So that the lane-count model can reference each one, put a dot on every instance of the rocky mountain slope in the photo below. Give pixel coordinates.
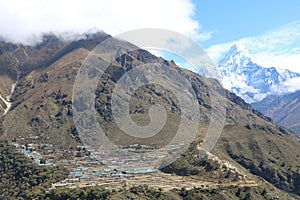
(283, 109)
(42, 106)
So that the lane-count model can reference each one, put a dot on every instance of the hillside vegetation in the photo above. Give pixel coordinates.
(20, 178)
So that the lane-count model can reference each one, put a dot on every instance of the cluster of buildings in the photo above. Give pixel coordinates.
(30, 151)
(88, 167)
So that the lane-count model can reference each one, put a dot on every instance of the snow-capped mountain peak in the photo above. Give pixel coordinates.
(241, 75)
(237, 50)
(236, 58)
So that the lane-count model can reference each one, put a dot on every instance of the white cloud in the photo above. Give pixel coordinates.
(278, 47)
(291, 85)
(19, 20)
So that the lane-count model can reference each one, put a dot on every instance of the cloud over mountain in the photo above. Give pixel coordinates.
(19, 20)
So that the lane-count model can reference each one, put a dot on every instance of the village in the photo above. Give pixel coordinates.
(87, 169)
(127, 168)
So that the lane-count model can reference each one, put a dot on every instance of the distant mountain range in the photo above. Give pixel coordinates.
(243, 76)
(283, 109)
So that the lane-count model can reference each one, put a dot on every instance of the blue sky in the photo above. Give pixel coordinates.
(235, 19)
(270, 30)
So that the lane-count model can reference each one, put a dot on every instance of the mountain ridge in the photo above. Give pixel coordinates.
(283, 109)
